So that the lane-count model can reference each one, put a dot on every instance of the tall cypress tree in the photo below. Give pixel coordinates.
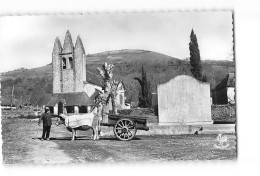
(144, 81)
(195, 62)
(149, 95)
(145, 97)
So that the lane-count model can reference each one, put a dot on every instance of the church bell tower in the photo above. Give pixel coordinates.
(69, 66)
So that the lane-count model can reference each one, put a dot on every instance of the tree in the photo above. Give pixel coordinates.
(145, 96)
(110, 87)
(195, 62)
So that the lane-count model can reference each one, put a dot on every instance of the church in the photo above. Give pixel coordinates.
(75, 86)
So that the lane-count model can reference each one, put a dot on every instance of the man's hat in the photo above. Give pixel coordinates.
(47, 108)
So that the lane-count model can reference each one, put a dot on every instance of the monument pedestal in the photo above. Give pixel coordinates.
(187, 123)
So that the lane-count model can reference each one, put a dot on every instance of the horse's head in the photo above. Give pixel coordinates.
(60, 119)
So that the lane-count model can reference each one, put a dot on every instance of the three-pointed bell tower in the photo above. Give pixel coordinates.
(69, 66)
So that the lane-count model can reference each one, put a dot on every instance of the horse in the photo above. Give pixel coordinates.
(88, 121)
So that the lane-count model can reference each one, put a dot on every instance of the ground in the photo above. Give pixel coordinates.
(21, 145)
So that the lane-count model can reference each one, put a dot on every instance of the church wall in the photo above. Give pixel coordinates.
(56, 66)
(67, 81)
(120, 98)
(80, 68)
(231, 94)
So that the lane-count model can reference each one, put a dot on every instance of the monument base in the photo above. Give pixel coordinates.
(187, 123)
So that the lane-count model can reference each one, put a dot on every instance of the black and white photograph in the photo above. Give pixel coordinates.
(118, 87)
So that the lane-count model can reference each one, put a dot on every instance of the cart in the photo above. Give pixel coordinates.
(125, 126)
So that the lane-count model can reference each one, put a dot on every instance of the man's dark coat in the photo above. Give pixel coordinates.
(46, 119)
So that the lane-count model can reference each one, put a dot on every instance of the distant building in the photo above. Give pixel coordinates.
(127, 105)
(224, 92)
(75, 86)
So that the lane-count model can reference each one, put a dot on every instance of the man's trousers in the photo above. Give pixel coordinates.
(46, 131)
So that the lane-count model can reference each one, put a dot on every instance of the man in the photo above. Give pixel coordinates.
(47, 122)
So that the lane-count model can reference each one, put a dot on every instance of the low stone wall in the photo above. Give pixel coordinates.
(225, 113)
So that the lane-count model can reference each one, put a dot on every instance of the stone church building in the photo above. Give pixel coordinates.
(75, 86)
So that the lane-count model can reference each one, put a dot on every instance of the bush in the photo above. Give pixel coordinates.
(20, 114)
(223, 113)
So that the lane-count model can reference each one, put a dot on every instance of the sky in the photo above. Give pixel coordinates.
(27, 41)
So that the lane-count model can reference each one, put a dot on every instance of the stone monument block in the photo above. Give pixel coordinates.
(184, 100)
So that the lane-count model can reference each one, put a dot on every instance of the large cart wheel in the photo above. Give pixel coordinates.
(125, 129)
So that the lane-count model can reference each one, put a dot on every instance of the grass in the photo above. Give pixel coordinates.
(20, 148)
(15, 147)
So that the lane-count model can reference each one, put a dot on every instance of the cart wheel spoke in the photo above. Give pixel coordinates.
(125, 129)
(130, 132)
(130, 126)
(120, 125)
(127, 135)
(125, 122)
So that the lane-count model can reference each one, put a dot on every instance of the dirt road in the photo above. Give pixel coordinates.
(20, 147)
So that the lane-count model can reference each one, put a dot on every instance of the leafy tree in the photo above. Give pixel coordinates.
(145, 96)
(196, 68)
(110, 86)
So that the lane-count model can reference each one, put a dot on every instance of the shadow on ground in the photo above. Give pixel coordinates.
(84, 138)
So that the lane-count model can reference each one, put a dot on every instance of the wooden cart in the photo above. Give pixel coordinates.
(125, 126)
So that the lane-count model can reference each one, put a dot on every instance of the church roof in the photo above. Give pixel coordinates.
(68, 44)
(79, 45)
(43, 100)
(95, 94)
(228, 81)
(70, 99)
(93, 77)
(57, 45)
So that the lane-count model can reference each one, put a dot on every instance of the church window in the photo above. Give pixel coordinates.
(64, 65)
(70, 62)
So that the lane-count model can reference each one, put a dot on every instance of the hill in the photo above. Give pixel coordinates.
(30, 84)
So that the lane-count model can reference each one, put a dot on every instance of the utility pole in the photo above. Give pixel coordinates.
(12, 99)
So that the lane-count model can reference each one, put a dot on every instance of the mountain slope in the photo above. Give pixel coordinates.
(30, 84)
